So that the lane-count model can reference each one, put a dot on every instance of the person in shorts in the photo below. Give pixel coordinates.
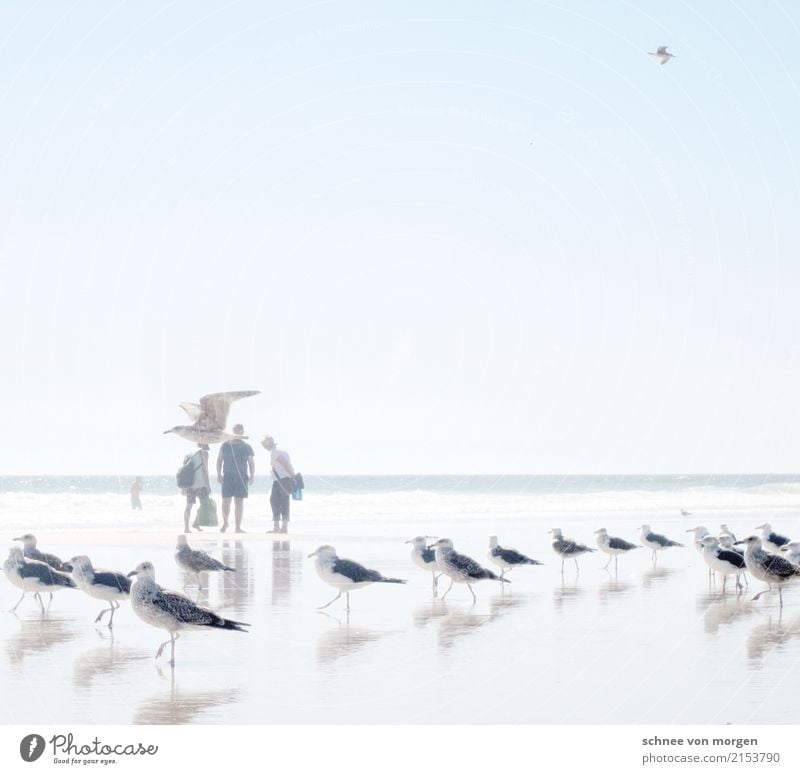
(201, 487)
(283, 484)
(236, 470)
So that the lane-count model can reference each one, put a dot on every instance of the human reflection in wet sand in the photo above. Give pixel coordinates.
(107, 659)
(285, 569)
(38, 634)
(772, 635)
(343, 640)
(180, 707)
(236, 587)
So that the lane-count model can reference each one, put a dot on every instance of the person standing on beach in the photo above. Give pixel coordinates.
(236, 470)
(201, 486)
(136, 491)
(283, 484)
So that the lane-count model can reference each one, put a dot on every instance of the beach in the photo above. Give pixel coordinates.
(648, 645)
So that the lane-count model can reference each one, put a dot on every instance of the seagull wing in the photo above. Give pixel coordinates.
(216, 405)
(200, 561)
(468, 567)
(192, 409)
(183, 609)
(661, 50)
(355, 572)
(512, 556)
(663, 59)
(113, 580)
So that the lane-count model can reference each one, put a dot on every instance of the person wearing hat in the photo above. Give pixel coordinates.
(200, 488)
(283, 484)
(236, 470)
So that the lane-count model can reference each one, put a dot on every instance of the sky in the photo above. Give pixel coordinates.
(438, 237)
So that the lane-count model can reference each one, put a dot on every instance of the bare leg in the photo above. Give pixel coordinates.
(226, 513)
(448, 589)
(187, 512)
(331, 602)
(238, 506)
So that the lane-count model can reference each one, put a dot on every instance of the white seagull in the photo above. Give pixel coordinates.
(195, 561)
(507, 558)
(613, 546)
(35, 576)
(656, 542)
(722, 560)
(663, 55)
(344, 574)
(106, 585)
(171, 611)
(772, 569)
(772, 541)
(792, 551)
(461, 568)
(210, 417)
(425, 558)
(568, 549)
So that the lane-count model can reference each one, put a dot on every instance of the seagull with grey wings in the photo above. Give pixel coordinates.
(663, 55)
(193, 560)
(461, 568)
(210, 417)
(568, 549)
(656, 542)
(773, 570)
(507, 558)
(105, 585)
(35, 576)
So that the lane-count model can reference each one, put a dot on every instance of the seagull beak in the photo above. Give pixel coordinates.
(310, 555)
(131, 574)
(739, 543)
(67, 567)
(167, 431)
(19, 538)
(408, 542)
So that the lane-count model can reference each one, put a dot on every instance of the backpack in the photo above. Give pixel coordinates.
(185, 475)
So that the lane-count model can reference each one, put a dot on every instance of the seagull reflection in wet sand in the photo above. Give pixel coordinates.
(105, 661)
(344, 640)
(772, 635)
(723, 610)
(458, 623)
(37, 635)
(182, 707)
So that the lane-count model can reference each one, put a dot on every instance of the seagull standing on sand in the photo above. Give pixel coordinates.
(210, 417)
(195, 561)
(425, 558)
(699, 533)
(344, 574)
(568, 549)
(656, 542)
(773, 570)
(613, 546)
(724, 529)
(30, 551)
(792, 551)
(722, 560)
(507, 558)
(772, 541)
(107, 585)
(663, 55)
(461, 568)
(171, 611)
(31, 575)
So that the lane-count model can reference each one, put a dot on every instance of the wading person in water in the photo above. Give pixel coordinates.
(236, 470)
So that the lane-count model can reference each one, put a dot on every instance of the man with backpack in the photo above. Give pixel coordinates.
(194, 483)
(236, 470)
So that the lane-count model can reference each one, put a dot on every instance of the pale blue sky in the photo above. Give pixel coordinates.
(439, 237)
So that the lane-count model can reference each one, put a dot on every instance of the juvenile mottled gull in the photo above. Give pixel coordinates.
(507, 558)
(32, 575)
(170, 610)
(722, 560)
(195, 561)
(461, 568)
(425, 558)
(344, 574)
(613, 546)
(773, 570)
(210, 417)
(107, 585)
(656, 542)
(772, 541)
(568, 549)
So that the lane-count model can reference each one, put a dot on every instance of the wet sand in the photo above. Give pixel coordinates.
(647, 645)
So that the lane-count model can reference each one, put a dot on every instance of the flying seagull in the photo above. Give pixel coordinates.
(210, 417)
(663, 55)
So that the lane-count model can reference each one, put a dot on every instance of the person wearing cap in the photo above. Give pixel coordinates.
(283, 484)
(200, 487)
(236, 470)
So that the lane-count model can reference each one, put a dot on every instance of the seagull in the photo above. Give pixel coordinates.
(196, 561)
(726, 541)
(424, 558)
(726, 530)
(344, 574)
(32, 575)
(613, 546)
(767, 567)
(722, 560)
(699, 533)
(791, 551)
(568, 549)
(684, 512)
(507, 558)
(210, 417)
(30, 551)
(461, 568)
(663, 55)
(112, 587)
(771, 540)
(656, 542)
(171, 611)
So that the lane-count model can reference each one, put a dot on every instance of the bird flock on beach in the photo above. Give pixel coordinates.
(771, 558)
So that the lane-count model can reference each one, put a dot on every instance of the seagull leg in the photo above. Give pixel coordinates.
(577, 569)
(609, 561)
(102, 613)
(172, 651)
(780, 594)
(474, 598)
(448, 589)
(724, 581)
(347, 598)
(39, 598)
(562, 565)
(331, 602)
(114, 606)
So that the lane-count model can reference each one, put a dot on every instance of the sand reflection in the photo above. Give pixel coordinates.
(180, 706)
(344, 640)
(38, 635)
(104, 661)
